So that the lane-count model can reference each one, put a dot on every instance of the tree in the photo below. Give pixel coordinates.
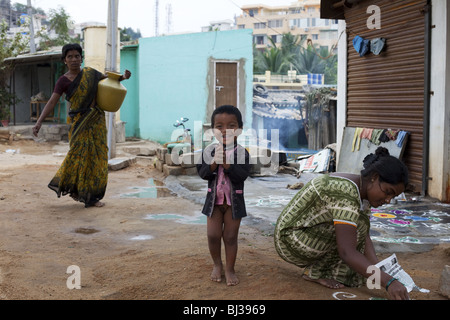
(293, 54)
(308, 61)
(272, 59)
(128, 34)
(23, 8)
(60, 22)
(331, 64)
(291, 45)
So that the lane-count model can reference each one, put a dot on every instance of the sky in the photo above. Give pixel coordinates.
(187, 15)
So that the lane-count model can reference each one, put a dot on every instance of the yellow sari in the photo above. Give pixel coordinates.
(84, 172)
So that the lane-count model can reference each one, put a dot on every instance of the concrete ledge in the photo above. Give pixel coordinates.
(172, 170)
(120, 163)
(48, 132)
(139, 151)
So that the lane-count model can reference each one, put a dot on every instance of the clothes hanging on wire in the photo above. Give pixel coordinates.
(376, 134)
(383, 137)
(362, 46)
(366, 133)
(400, 138)
(392, 134)
(377, 45)
(357, 139)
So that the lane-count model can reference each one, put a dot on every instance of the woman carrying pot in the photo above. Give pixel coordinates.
(84, 172)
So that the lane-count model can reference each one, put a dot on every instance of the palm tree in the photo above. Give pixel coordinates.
(272, 59)
(308, 61)
(291, 44)
(293, 54)
(331, 62)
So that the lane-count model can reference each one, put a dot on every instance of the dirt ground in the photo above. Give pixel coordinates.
(41, 236)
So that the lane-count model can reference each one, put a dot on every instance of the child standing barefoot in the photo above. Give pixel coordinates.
(225, 165)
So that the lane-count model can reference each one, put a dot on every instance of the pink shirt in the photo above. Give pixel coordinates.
(223, 190)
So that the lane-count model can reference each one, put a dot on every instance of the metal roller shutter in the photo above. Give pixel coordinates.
(387, 90)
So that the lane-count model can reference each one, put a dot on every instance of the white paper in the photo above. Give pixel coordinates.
(391, 266)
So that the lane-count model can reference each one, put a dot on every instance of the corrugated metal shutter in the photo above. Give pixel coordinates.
(387, 90)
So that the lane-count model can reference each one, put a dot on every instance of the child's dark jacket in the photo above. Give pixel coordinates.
(238, 172)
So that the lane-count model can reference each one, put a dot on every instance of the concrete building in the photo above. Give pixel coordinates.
(188, 76)
(299, 18)
(220, 25)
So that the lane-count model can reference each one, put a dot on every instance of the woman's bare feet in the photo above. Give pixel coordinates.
(99, 204)
(329, 283)
(232, 279)
(216, 274)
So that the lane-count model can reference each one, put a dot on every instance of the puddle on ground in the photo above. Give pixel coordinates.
(197, 219)
(86, 230)
(142, 237)
(155, 190)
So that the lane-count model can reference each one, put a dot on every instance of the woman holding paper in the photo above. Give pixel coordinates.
(325, 227)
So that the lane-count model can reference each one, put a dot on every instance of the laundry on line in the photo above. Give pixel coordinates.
(377, 136)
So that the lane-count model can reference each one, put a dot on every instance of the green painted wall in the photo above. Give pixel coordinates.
(129, 112)
(172, 80)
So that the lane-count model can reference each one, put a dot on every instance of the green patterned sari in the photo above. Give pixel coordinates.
(305, 233)
(84, 172)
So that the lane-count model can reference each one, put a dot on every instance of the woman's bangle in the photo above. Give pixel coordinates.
(390, 282)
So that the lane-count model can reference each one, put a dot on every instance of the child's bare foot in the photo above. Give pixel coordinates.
(216, 274)
(329, 283)
(232, 279)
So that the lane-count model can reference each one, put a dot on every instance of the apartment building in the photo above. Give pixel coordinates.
(299, 18)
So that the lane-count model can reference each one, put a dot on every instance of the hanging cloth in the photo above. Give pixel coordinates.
(357, 139)
(400, 138)
(366, 133)
(375, 139)
(361, 45)
(377, 45)
(384, 137)
(392, 134)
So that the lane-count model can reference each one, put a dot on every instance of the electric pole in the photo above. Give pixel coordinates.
(111, 65)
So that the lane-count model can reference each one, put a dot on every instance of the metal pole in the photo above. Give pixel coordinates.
(111, 65)
(427, 98)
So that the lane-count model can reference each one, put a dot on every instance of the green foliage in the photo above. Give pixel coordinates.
(60, 22)
(292, 53)
(128, 34)
(272, 59)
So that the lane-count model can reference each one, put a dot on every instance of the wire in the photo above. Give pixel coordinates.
(310, 42)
